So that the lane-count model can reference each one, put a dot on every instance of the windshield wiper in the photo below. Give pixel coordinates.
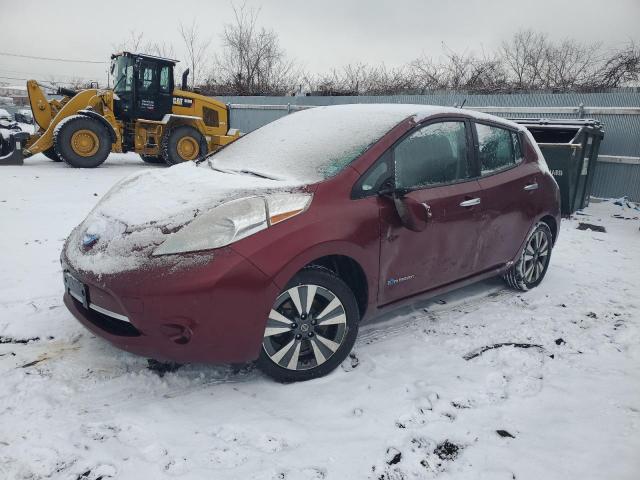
(243, 171)
(221, 170)
(256, 174)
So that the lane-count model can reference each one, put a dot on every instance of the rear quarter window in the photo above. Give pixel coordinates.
(496, 148)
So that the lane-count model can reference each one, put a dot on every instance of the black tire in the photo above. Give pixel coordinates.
(531, 267)
(62, 141)
(169, 145)
(52, 155)
(325, 281)
(152, 159)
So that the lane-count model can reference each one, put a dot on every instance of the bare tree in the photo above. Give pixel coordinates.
(525, 60)
(196, 50)
(251, 59)
(133, 43)
(534, 62)
(619, 67)
(251, 62)
(136, 43)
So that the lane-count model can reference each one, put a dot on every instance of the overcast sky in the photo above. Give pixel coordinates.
(319, 35)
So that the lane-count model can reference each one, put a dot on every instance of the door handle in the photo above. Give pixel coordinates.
(427, 209)
(531, 186)
(470, 203)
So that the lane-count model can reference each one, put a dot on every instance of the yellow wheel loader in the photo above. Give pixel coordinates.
(143, 113)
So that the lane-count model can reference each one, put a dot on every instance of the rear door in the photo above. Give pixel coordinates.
(434, 162)
(509, 188)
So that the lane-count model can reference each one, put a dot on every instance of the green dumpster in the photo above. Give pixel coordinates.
(570, 148)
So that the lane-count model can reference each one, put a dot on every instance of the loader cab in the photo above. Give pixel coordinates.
(143, 85)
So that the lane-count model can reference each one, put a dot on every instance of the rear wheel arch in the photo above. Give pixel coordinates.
(553, 226)
(176, 133)
(523, 273)
(174, 121)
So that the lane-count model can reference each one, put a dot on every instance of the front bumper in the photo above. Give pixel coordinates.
(213, 311)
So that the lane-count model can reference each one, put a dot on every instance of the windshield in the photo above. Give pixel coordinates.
(310, 145)
(123, 74)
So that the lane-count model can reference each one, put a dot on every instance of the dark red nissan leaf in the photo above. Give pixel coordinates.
(278, 246)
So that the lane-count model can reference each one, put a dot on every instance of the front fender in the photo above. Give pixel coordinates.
(103, 121)
(72, 107)
(334, 248)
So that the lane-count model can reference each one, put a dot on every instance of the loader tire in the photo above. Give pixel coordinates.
(183, 144)
(82, 142)
(52, 155)
(152, 159)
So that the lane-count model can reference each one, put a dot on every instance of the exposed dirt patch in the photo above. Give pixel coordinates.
(447, 450)
(161, 368)
(18, 340)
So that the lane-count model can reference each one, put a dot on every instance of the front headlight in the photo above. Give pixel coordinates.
(233, 221)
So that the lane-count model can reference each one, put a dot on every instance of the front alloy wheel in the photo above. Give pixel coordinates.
(532, 265)
(311, 327)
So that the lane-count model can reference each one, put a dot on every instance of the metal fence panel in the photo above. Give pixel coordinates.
(614, 180)
(622, 131)
(617, 110)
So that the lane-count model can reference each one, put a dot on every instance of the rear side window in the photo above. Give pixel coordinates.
(497, 148)
(146, 75)
(434, 155)
(165, 83)
(210, 117)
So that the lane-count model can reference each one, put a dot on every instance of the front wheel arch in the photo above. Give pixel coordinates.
(326, 253)
(351, 272)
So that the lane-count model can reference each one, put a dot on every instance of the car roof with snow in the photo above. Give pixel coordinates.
(316, 143)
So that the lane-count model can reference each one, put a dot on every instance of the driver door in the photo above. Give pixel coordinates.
(434, 165)
(153, 91)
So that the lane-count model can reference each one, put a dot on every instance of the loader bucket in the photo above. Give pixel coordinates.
(11, 144)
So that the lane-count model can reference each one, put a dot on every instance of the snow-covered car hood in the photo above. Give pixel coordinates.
(137, 214)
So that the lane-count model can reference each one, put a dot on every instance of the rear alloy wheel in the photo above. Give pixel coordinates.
(311, 328)
(183, 144)
(82, 142)
(532, 265)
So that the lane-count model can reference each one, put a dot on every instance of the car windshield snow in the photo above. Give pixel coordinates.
(310, 145)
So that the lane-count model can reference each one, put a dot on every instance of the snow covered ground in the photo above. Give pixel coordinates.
(407, 405)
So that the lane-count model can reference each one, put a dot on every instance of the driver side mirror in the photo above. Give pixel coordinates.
(414, 215)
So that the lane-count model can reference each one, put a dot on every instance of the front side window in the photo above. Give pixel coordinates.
(376, 177)
(496, 148)
(123, 75)
(210, 117)
(433, 155)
